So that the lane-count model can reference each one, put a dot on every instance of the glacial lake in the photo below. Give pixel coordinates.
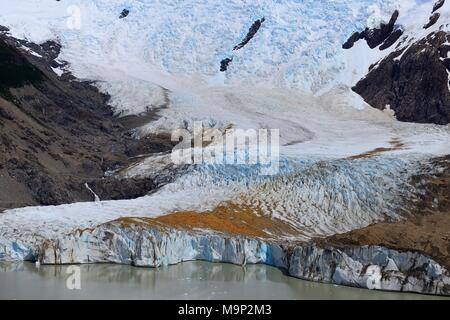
(189, 280)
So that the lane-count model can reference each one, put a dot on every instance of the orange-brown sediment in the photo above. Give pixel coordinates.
(227, 218)
(395, 145)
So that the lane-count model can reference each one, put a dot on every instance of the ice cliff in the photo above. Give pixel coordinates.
(139, 244)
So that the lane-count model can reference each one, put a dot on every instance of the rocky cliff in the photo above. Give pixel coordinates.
(59, 133)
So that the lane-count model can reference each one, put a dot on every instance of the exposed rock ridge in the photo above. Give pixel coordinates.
(438, 5)
(58, 133)
(251, 33)
(376, 36)
(224, 64)
(413, 80)
(433, 19)
(124, 13)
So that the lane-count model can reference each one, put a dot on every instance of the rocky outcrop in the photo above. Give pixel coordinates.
(352, 40)
(393, 37)
(16, 71)
(224, 64)
(376, 36)
(250, 34)
(117, 189)
(438, 5)
(124, 13)
(413, 81)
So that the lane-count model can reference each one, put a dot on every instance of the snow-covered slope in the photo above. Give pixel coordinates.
(299, 44)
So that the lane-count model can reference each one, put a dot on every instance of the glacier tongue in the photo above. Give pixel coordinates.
(318, 198)
(136, 243)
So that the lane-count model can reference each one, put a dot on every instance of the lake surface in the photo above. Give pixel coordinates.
(189, 280)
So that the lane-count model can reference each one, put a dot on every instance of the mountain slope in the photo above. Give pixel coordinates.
(57, 134)
(298, 45)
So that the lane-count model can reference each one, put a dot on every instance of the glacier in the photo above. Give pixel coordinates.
(298, 45)
(141, 245)
(294, 76)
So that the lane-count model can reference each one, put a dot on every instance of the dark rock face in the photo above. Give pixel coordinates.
(251, 33)
(446, 62)
(51, 49)
(116, 189)
(124, 13)
(353, 38)
(433, 19)
(224, 64)
(438, 5)
(393, 37)
(375, 37)
(15, 70)
(57, 133)
(416, 86)
(444, 51)
(42, 188)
